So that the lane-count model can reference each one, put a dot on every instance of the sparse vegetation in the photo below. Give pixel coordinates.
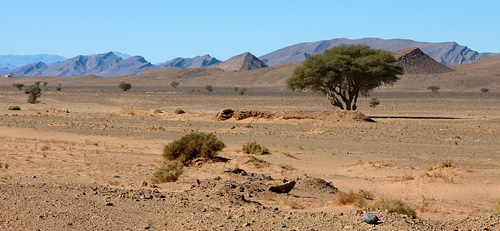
(168, 172)
(58, 88)
(174, 84)
(394, 206)
(366, 194)
(156, 111)
(125, 86)
(45, 84)
(34, 92)
(350, 198)
(209, 88)
(484, 90)
(434, 89)
(343, 72)
(496, 210)
(374, 102)
(242, 91)
(14, 108)
(235, 89)
(18, 85)
(252, 147)
(193, 145)
(179, 111)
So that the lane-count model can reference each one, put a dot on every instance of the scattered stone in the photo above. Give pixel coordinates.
(159, 195)
(109, 204)
(237, 171)
(144, 184)
(369, 218)
(283, 188)
(217, 178)
(283, 226)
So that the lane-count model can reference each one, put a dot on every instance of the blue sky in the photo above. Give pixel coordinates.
(163, 30)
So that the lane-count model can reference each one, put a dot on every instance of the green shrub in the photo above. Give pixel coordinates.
(34, 92)
(252, 147)
(18, 85)
(374, 102)
(14, 108)
(174, 84)
(242, 91)
(168, 172)
(395, 206)
(484, 90)
(179, 111)
(125, 86)
(209, 88)
(434, 89)
(193, 145)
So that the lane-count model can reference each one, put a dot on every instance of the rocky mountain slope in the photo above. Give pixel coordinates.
(447, 53)
(104, 65)
(242, 62)
(195, 62)
(414, 61)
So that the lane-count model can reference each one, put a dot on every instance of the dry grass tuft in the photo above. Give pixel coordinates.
(445, 170)
(394, 206)
(168, 172)
(252, 147)
(496, 210)
(350, 198)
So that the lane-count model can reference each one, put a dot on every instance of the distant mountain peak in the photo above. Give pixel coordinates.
(447, 53)
(242, 62)
(195, 62)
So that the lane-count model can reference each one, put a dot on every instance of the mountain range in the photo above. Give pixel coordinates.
(114, 64)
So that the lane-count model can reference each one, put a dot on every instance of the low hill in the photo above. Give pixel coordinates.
(242, 62)
(195, 62)
(414, 61)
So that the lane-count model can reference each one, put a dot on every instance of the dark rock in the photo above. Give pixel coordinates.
(237, 171)
(109, 204)
(225, 114)
(283, 188)
(369, 218)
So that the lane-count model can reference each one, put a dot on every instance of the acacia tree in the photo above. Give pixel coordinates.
(342, 73)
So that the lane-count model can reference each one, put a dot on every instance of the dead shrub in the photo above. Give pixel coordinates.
(252, 147)
(193, 145)
(168, 172)
(350, 198)
(394, 206)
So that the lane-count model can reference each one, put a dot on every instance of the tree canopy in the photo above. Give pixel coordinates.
(342, 73)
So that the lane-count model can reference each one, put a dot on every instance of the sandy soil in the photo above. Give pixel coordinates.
(78, 160)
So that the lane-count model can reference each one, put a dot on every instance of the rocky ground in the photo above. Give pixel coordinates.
(83, 161)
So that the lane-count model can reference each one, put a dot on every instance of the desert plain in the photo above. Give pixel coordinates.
(82, 158)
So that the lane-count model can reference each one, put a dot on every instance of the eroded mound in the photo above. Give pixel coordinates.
(324, 116)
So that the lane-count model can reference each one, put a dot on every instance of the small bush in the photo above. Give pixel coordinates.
(242, 91)
(18, 85)
(193, 145)
(14, 108)
(235, 89)
(484, 90)
(209, 88)
(434, 89)
(350, 198)
(168, 172)
(34, 92)
(179, 111)
(374, 102)
(366, 194)
(174, 84)
(156, 111)
(253, 148)
(395, 206)
(125, 86)
(45, 84)
(496, 210)
(58, 88)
